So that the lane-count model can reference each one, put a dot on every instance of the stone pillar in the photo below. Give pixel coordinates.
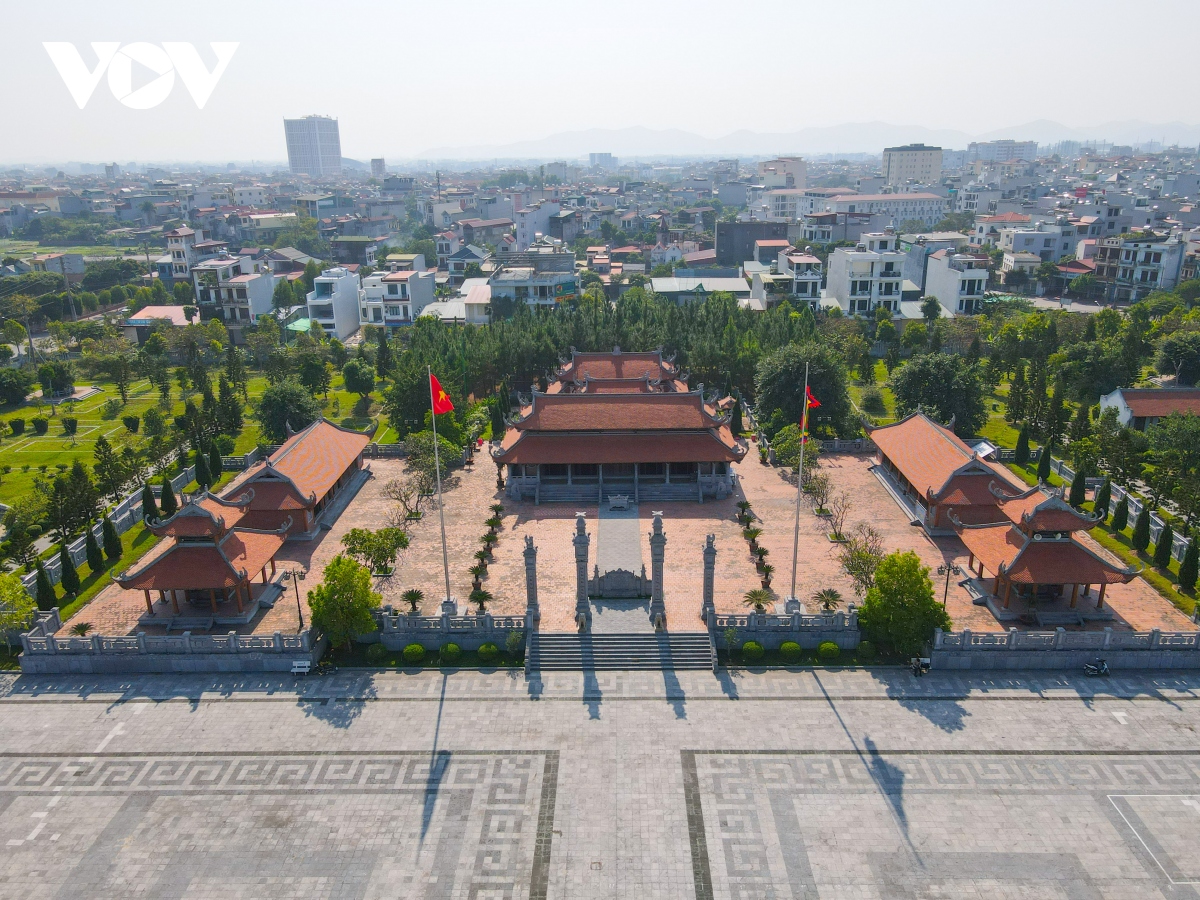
(708, 609)
(583, 611)
(658, 543)
(532, 613)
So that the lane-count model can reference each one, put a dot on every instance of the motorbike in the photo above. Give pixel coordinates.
(1096, 669)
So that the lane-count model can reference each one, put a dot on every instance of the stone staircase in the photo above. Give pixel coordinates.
(598, 652)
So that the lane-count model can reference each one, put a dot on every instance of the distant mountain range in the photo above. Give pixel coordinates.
(856, 137)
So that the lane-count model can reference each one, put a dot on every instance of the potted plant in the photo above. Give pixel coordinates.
(481, 598)
(765, 570)
(489, 541)
(497, 509)
(477, 572)
(752, 535)
(413, 597)
(828, 599)
(761, 553)
(493, 523)
(757, 598)
(481, 559)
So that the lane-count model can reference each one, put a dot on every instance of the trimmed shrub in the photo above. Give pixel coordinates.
(1141, 529)
(40, 424)
(828, 651)
(872, 401)
(131, 423)
(70, 424)
(450, 653)
(16, 426)
(752, 650)
(414, 654)
(790, 652)
(1164, 547)
(377, 654)
(489, 653)
(866, 650)
(1121, 516)
(112, 540)
(68, 575)
(95, 558)
(514, 644)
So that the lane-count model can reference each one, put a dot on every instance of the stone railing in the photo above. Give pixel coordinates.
(398, 630)
(1062, 649)
(44, 652)
(770, 630)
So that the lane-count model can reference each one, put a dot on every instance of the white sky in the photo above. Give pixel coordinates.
(404, 77)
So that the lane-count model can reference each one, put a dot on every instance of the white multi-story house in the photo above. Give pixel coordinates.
(805, 272)
(186, 247)
(447, 244)
(1049, 241)
(235, 289)
(785, 203)
(912, 162)
(250, 195)
(534, 220)
(334, 302)
(784, 172)
(1131, 266)
(868, 275)
(958, 280)
(392, 300)
(527, 285)
(929, 208)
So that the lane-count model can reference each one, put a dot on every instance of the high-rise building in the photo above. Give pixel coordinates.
(912, 162)
(1002, 151)
(602, 161)
(313, 145)
(378, 168)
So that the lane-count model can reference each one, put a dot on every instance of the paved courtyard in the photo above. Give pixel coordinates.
(831, 784)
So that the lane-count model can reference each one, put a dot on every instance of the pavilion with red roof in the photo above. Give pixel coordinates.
(619, 424)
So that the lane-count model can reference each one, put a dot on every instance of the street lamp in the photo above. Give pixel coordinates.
(298, 576)
(948, 570)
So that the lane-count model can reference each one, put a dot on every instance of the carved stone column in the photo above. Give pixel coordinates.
(708, 607)
(583, 610)
(658, 543)
(532, 613)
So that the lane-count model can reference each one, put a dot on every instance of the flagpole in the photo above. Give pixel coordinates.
(437, 469)
(799, 485)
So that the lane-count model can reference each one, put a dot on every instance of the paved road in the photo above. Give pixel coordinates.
(831, 784)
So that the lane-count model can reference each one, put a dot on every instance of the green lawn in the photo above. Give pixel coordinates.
(136, 542)
(25, 249)
(881, 382)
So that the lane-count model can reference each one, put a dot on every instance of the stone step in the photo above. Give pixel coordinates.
(680, 650)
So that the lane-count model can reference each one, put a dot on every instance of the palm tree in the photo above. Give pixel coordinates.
(482, 598)
(81, 628)
(413, 597)
(497, 509)
(758, 598)
(827, 598)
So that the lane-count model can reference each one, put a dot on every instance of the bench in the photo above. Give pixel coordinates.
(301, 666)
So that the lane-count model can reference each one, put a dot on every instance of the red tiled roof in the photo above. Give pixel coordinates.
(616, 412)
(207, 566)
(619, 448)
(1151, 403)
(315, 458)
(927, 454)
(1029, 561)
(1038, 511)
(616, 365)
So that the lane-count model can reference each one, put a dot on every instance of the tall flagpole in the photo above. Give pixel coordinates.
(799, 484)
(437, 468)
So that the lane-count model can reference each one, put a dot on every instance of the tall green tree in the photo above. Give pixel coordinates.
(110, 472)
(945, 387)
(166, 500)
(1188, 567)
(286, 404)
(342, 606)
(1121, 515)
(1022, 452)
(1043, 467)
(46, 598)
(900, 611)
(17, 608)
(1078, 492)
(1018, 396)
(112, 540)
(779, 387)
(149, 504)
(1164, 546)
(68, 576)
(1103, 499)
(1141, 529)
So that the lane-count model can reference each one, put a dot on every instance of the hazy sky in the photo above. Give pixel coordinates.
(406, 77)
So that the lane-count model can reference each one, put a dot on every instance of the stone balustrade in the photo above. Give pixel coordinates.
(398, 630)
(1062, 649)
(770, 630)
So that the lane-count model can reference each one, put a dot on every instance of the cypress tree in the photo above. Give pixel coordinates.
(167, 502)
(1103, 499)
(1188, 568)
(149, 504)
(1162, 550)
(1078, 489)
(68, 577)
(1018, 396)
(1023, 445)
(46, 598)
(1081, 424)
(203, 476)
(1141, 529)
(737, 418)
(1043, 468)
(112, 540)
(1121, 516)
(94, 557)
(215, 466)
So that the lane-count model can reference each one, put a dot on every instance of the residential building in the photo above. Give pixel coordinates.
(235, 289)
(484, 231)
(1001, 151)
(766, 252)
(1130, 266)
(805, 271)
(683, 289)
(357, 249)
(447, 244)
(526, 284)
(458, 261)
(67, 265)
(394, 299)
(604, 161)
(987, 228)
(378, 168)
(868, 275)
(140, 325)
(919, 247)
(958, 280)
(533, 221)
(1025, 263)
(735, 240)
(314, 146)
(784, 172)
(928, 208)
(186, 247)
(315, 206)
(473, 306)
(1139, 408)
(333, 303)
(912, 163)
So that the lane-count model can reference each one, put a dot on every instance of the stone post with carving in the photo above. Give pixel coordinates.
(583, 611)
(532, 613)
(658, 543)
(708, 608)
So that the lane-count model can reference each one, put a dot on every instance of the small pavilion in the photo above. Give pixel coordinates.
(210, 557)
(1034, 553)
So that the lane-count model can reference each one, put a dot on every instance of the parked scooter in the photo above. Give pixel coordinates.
(1096, 669)
(919, 665)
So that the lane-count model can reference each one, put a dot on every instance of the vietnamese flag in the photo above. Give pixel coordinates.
(441, 400)
(811, 402)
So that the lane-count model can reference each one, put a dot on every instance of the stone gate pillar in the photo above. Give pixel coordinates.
(583, 611)
(658, 543)
(708, 607)
(532, 613)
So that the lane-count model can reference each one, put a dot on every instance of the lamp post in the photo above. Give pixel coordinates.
(948, 570)
(298, 576)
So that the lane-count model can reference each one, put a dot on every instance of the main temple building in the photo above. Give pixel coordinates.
(619, 424)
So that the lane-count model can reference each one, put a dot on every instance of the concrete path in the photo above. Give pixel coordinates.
(619, 541)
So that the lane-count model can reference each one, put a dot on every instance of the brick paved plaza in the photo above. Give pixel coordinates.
(847, 784)
(1135, 605)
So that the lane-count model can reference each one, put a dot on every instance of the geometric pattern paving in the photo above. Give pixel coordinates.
(369, 825)
(942, 824)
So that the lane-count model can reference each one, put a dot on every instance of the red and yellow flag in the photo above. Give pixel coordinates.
(441, 400)
(810, 404)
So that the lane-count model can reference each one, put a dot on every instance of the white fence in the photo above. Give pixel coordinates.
(807, 630)
(1065, 650)
(397, 630)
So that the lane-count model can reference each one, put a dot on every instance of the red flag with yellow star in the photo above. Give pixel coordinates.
(441, 400)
